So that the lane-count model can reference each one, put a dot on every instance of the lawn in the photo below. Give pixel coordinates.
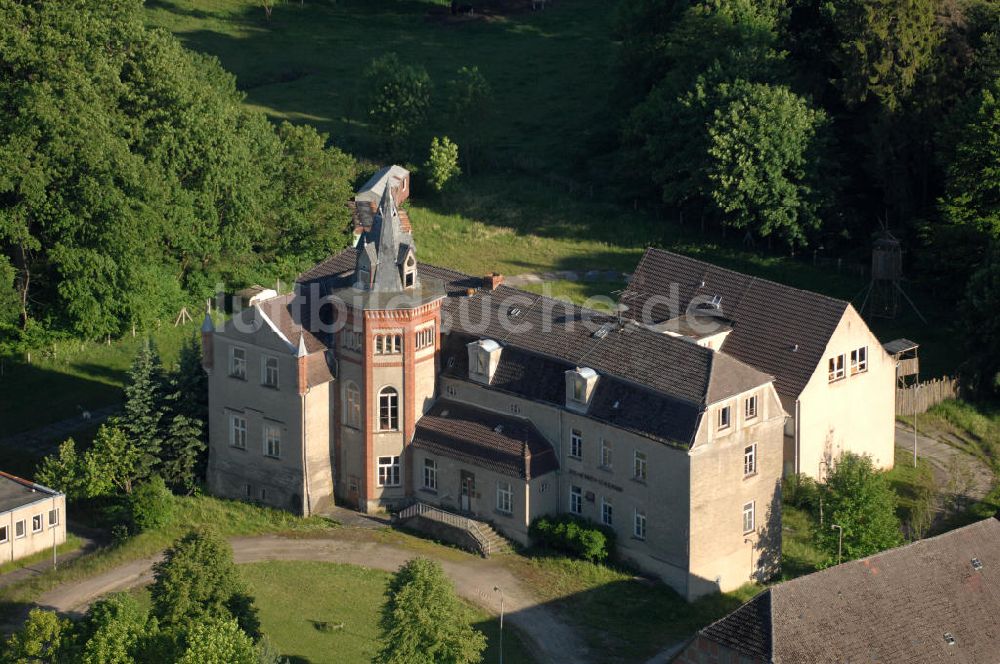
(325, 612)
(624, 618)
(67, 377)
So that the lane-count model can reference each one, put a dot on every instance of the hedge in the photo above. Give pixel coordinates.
(573, 535)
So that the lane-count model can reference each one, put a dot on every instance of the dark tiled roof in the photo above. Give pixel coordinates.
(659, 382)
(769, 319)
(895, 606)
(616, 402)
(747, 630)
(507, 445)
(16, 492)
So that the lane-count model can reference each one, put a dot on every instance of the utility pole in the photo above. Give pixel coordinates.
(840, 540)
(498, 589)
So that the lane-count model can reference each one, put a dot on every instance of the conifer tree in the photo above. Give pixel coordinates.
(143, 407)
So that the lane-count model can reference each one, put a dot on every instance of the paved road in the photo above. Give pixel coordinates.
(474, 579)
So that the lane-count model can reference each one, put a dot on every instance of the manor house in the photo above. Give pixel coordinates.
(382, 383)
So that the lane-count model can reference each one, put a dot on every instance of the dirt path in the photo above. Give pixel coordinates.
(945, 458)
(46, 439)
(474, 579)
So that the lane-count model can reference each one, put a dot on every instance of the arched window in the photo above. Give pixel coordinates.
(352, 405)
(388, 409)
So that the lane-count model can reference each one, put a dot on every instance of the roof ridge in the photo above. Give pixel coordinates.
(745, 274)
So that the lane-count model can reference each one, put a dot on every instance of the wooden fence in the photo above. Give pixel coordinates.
(918, 398)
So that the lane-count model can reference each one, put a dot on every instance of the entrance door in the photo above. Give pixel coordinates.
(468, 489)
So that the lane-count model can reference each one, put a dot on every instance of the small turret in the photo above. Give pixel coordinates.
(386, 259)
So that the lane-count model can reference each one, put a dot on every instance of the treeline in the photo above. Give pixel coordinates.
(818, 122)
(133, 179)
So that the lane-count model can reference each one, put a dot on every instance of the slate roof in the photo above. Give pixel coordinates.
(659, 383)
(501, 443)
(16, 492)
(363, 215)
(895, 606)
(780, 330)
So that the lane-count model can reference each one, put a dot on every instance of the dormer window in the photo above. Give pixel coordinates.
(580, 384)
(409, 271)
(484, 356)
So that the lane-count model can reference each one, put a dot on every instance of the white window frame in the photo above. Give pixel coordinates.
(272, 441)
(749, 517)
(352, 405)
(640, 467)
(24, 529)
(388, 471)
(607, 512)
(269, 371)
(425, 337)
(4, 534)
(238, 365)
(607, 455)
(53, 518)
(576, 444)
(575, 500)
(248, 491)
(750, 460)
(430, 474)
(725, 418)
(859, 360)
(239, 442)
(391, 395)
(579, 390)
(388, 344)
(505, 498)
(40, 518)
(835, 368)
(750, 407)
(639, 525)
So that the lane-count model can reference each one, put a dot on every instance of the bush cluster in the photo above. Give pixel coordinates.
(573, 535)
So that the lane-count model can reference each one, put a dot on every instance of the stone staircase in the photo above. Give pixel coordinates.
(469, 533)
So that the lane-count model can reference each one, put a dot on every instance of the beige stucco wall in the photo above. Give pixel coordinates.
(15, 547)
(855, 414)
(693, 500)
(230, 469)
(721, 557)
(319, 441)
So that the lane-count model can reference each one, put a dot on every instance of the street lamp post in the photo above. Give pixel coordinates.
(840, 540)
(498, 589)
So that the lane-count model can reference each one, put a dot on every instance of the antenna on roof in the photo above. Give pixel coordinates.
(621, 309)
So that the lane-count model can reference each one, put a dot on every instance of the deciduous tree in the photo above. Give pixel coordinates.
(397, 97)
(860, 499)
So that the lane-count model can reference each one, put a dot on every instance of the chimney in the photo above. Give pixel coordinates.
(492, 281)
(207, 344)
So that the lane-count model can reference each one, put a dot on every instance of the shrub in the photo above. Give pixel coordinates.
(151, 505)
(573, 535)
(442, 164)
(801, 491)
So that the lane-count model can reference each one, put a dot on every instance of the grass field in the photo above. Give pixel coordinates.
(336, 620)
(69, 376)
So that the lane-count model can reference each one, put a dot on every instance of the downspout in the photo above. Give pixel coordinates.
(798, 427)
